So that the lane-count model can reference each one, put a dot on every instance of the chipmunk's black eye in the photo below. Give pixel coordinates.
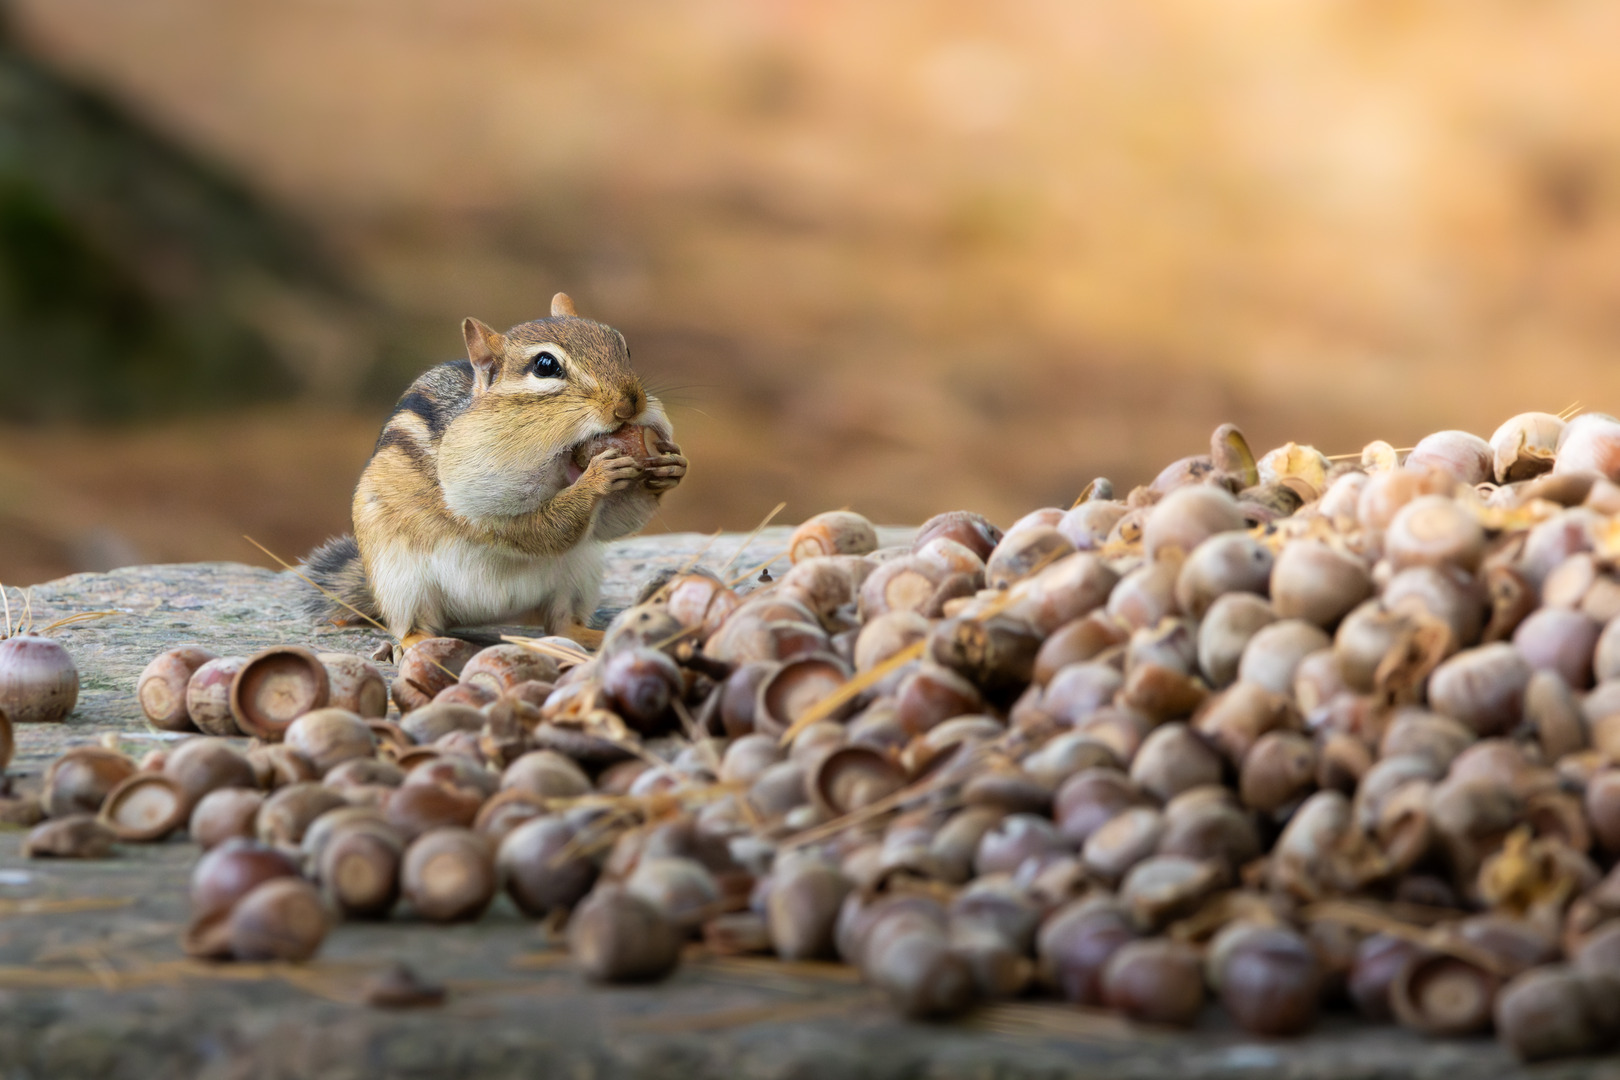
(547, 366)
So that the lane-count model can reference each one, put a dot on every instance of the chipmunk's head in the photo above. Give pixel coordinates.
(542, 392)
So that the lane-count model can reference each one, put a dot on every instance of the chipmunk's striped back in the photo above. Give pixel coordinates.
(408, 444)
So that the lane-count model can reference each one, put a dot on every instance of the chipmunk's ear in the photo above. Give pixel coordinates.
(562, 304)
(484, 349)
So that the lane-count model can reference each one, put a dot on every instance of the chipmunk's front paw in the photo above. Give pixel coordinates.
(611, 470)
(666, 470)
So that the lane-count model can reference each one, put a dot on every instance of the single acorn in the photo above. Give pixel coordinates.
(1146, 594)
(683, 890)
(1123, 841)
(543, 866)
(1174, 758)
(290, 810)
(208, 695)
(1525, 446)
(232, 869)
(1163, 888)
(834, 532)
(616, 936)
(428, 667)
(204, 764)
(973, 531)
(908, 583)
(1562, 641)
(448, 874)
(1228, 562)
(641, 684)
(223, 814)
(416, 809)
(1273, 653)
(1442, 995)
(1268, 978)
(433, 721)
(1557, 1011)
(1188, 516)
(1225, 631)
(802, 908)
(1155, 980)
(500, 668)
(1482, 688)
(910, 959)
(1076, 641)
(279, 919)
(38, 681)
(161, 687)
(329, 737)
(1317, 583)
(355, 684)
(359, 867)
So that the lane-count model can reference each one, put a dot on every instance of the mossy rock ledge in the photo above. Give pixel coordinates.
(105, 992)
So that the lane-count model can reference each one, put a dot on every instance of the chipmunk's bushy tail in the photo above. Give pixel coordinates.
(335, 566)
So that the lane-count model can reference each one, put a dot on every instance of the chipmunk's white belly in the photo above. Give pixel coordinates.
(464, 584)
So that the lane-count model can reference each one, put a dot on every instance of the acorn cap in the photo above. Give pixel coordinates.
(275, 687)
(796, 686)
(1442, 995)
(852, 777)
(146, 806)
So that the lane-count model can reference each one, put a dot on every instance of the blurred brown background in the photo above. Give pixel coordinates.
(897, 256)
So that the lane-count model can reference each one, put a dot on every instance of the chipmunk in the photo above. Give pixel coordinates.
(496, 482)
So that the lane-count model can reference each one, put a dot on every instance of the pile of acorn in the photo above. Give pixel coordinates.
(1288, 733)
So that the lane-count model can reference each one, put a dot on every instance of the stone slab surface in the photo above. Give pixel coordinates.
(103, 991)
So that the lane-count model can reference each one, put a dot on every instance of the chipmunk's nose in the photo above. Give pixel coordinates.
(630, 404)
